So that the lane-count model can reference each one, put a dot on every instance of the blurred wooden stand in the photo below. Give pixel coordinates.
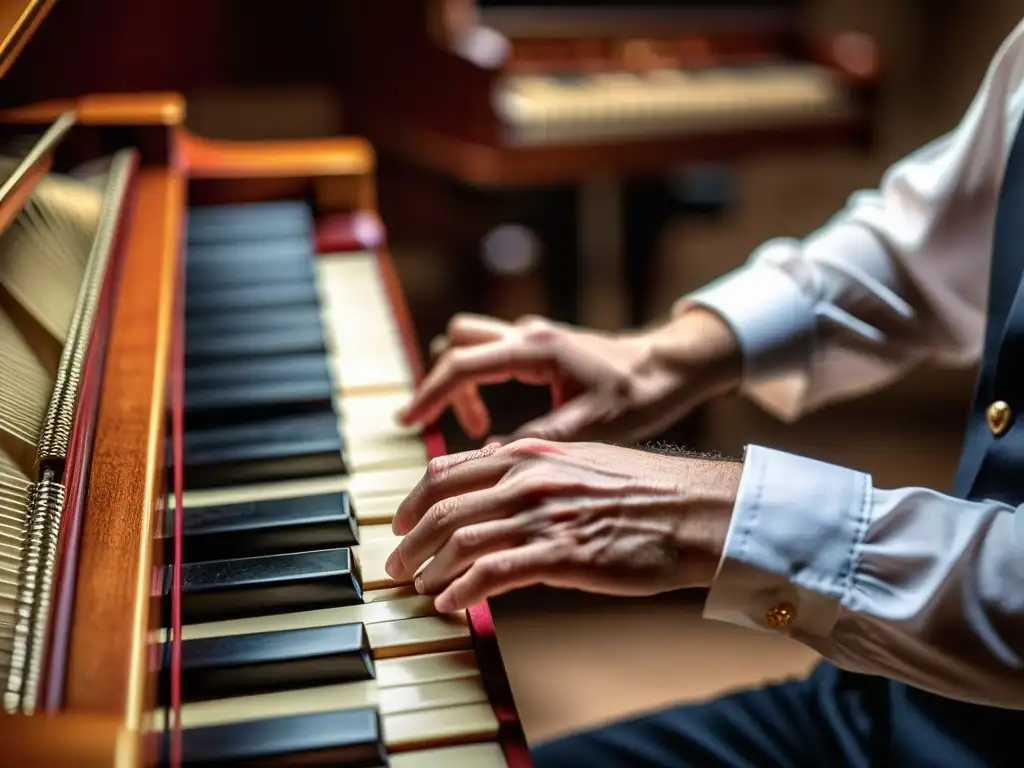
(577, 660)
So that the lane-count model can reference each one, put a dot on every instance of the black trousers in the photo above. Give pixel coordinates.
(834, 719)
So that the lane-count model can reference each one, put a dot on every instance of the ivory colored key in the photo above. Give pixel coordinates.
(385, 605)
(463, 756)
(620, 103)
(376, 544)
(363, 486)
(373, 439)
(427, 700)
(414, 716)
(367, 349)
(402, 685)
(402, 626)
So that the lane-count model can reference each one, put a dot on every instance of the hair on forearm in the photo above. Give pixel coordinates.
(671, 449)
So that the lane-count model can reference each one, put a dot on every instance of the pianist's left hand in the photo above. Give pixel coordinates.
(588, 516)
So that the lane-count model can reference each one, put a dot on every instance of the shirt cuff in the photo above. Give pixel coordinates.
(773, 319)
(796, 531)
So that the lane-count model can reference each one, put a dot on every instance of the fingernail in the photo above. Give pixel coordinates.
(391, 566)
(419, 584)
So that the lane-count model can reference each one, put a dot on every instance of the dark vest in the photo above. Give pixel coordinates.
(991, 465)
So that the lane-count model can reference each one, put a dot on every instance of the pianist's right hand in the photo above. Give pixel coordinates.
(625, 387)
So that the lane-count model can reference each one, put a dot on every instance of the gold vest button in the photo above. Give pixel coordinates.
(998, 417)
(780, 617)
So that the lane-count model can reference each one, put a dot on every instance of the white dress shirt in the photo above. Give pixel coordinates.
(910, 584)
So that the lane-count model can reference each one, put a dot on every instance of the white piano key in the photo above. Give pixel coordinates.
(610, 104)
(419, 698)
(463, 756)
(364, 487)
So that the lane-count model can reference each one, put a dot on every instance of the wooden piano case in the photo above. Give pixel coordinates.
(99, 678)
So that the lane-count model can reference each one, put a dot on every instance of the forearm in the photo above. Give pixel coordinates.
(907, 584)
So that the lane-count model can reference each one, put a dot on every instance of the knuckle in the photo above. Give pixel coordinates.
(437, 469)
(531, 321)
(495, 569)
(441, 514)
(537, 330)
(528, 446)
(465, 540)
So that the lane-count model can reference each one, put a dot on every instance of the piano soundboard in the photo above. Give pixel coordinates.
(296, 645)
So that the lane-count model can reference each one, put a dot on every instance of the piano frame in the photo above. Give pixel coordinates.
(100, 678)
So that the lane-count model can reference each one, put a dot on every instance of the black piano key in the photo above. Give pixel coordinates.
(252, 323)
(258, 438)
(233, 372)
(234, 254)
(264, 662)
(340, 739)
(267, 527)
(248, 273)
(295, 461)
(249, 221)
(286, 340)
(348, 738)
(289, 448)
(203, 299)
(253, 400)
(257, 586)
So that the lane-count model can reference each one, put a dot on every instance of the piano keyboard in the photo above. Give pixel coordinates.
(297, 648)
(542, 109)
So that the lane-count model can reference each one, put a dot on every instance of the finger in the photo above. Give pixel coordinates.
(471, 411)
(502, 572)
(464, 547)
(467, 328)
(564, 423)
(441, 522)
(450, 475)
(489, 363)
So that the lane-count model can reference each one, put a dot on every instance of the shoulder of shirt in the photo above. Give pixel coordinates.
(1006, 72)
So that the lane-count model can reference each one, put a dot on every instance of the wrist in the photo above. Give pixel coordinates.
(707, 517)
(700, 343)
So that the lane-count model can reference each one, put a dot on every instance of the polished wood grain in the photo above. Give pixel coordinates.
(107, 658)
(339, 173)
(104, 109)
(19, 19)
(252, 159)
(82, 741)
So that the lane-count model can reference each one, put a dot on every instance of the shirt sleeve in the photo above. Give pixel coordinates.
(909, 584)
(900, 275)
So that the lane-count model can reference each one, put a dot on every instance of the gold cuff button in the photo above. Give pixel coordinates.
(998, 416)
(781, 616)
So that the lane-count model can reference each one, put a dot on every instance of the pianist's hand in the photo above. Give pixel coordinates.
(626, 386)
(589, 516)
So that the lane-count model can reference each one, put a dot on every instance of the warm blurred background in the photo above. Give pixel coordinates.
(607, 238)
